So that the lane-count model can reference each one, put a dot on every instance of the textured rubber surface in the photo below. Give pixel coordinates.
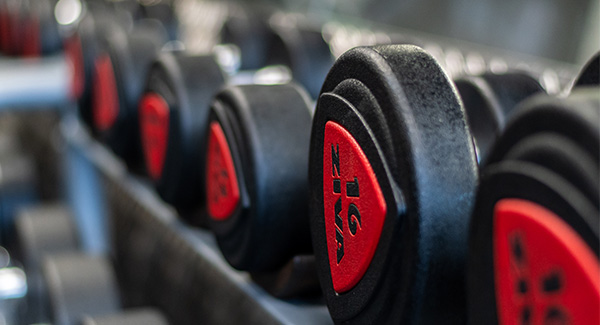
(404, 113)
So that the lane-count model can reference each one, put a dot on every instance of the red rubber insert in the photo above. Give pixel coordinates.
(154, 126)
(74, 56)
(32, 46)
(354, 207)
(222, 189)
(544, 272)
(105, 102)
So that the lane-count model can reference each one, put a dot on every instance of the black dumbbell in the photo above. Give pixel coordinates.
(393, 173)
(120, 71)
(489, 100)
(279, 40)
(534, 239)
(171, 84)
(78, 285)
(81, 46)
(250, 33)
(173, 113)
(40, 231)
(302, 49)
(256, 174)
(18, 188)
(40, 29)
(29, 28)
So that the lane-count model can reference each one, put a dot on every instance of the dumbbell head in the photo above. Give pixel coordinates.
(40, 29)
(164, 12)
(18, 188)
(28, 28)
(256, 174)
(82, 47)
(392, 177)
(489, 100)
(534, 238)
(80, 285)
(304, 51)
(173, 114)
(120, 71)
(40, 231)
(249, 32)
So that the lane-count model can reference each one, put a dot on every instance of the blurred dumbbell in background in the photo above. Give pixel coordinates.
(533, 245)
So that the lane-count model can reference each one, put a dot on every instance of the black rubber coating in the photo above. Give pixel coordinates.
(268, 132)
(80, 285)
(405, 114)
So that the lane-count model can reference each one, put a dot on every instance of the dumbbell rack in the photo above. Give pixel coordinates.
(200, 277)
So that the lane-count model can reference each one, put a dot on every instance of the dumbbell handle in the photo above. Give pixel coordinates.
(34, 83)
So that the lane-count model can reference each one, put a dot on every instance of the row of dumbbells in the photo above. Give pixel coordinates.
(45, 274)
(65, 284)
(434, 182)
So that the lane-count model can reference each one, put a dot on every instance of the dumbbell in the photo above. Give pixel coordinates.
(489, 100)
(278, 40)
(99, 18)
(172, 87)
(393, 170)
(81, 49)
(79, 286)
(39, 231)
(256, 174)
(120, 70)
(392, 176)
(172, 113)
(18, 183)
(41, 32)
(534, 242)
(29, 28)
(302, 49)
(249, 32)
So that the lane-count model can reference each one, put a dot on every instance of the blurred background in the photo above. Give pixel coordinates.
(565, 30)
